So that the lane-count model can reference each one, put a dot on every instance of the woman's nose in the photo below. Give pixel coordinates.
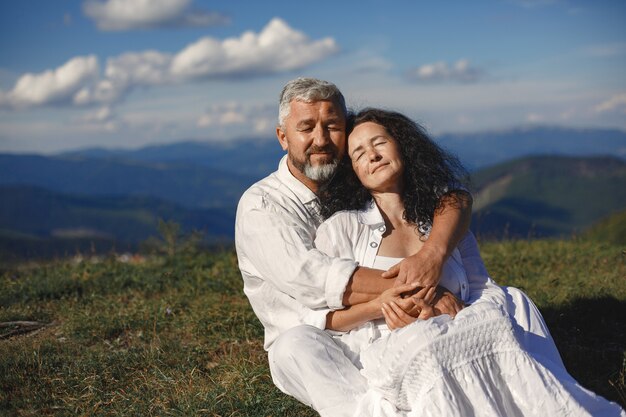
(373, 155)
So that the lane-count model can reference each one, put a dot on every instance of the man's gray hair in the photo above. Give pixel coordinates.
(307, 90)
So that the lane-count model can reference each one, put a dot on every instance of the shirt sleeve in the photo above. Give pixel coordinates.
(280, 247)
(480, 283)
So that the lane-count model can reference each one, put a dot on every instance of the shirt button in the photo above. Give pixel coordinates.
(381, 229)
(374, 244)
(463, 286)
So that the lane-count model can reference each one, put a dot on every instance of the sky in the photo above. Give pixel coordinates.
(131, 73)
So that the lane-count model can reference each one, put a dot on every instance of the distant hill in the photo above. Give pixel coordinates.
(251, 158)
(184, 184)
(41, 222)
(484, 149)
(547, 196)
(51, 202)
(257, 158)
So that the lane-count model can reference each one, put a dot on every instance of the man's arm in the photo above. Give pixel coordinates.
(277, 245)
(450, 223)
(365, 285)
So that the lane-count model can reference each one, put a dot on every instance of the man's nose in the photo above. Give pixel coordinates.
(321, 136)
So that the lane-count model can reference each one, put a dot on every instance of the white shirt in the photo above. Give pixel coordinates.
(287, 280)
(357, 235)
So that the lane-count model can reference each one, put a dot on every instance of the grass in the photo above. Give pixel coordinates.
(175, 336)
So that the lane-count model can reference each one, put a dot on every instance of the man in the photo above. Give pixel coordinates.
(292, 286)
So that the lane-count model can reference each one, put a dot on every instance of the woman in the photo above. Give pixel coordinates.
(480, 363)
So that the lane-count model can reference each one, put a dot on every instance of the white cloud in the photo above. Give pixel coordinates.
(101, 115)
(534, 118)
(101, 119)
(276, 48)
(531, 4)
(255, 118)
(125, 72)
(606, 50)
(461, 71)
(223, 115)
(52, 86)
(617, 103)
(135, 14)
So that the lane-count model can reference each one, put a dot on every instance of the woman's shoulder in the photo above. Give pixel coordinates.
(343, 216)
(343, 222)
(337, 235)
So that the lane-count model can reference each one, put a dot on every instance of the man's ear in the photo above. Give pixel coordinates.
(282, 138)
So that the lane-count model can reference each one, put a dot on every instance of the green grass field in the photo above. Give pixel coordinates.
(175, 336)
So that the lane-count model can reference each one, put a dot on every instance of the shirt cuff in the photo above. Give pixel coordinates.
(317, 318)
(337, 279)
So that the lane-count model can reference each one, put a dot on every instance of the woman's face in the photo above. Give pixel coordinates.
(375, 158)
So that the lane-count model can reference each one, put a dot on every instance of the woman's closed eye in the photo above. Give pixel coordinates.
(357, 156)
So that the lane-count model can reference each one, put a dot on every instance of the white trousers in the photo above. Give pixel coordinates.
(306, 363)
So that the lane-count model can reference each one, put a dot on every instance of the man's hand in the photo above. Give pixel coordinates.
(450, 222)
(423, 268)
(447, 303)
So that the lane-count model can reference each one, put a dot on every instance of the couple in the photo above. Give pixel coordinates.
(343, 339)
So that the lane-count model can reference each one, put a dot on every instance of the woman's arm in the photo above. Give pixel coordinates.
(355, 315)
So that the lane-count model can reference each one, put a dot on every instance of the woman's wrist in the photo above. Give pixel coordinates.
(375, 308)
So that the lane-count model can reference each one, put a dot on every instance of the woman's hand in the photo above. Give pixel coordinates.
(398, 312)
(396, 293)
(446, 303)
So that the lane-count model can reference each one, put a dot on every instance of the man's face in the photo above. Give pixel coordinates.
(314, 136)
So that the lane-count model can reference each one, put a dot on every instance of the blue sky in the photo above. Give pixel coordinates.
(128, 73)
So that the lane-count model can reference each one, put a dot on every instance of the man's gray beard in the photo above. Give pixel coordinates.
(320, 173)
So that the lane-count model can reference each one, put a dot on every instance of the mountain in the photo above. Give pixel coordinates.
(109, 198)
(256, 158)
(480, 150)
(182, 183)
(38, 221)
(547, 196)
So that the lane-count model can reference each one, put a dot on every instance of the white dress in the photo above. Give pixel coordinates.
(470, 366)
(496, 358)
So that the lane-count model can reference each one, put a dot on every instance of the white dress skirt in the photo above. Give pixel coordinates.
(470, 366)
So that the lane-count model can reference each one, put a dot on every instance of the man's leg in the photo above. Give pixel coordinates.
(307, 364)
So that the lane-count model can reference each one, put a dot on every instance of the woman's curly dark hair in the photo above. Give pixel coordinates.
(429, 171)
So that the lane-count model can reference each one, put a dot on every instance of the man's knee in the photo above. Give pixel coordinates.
(293, 355)
(296, 341)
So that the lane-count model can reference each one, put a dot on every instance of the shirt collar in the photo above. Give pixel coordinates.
(371, 216)
(304, 194)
